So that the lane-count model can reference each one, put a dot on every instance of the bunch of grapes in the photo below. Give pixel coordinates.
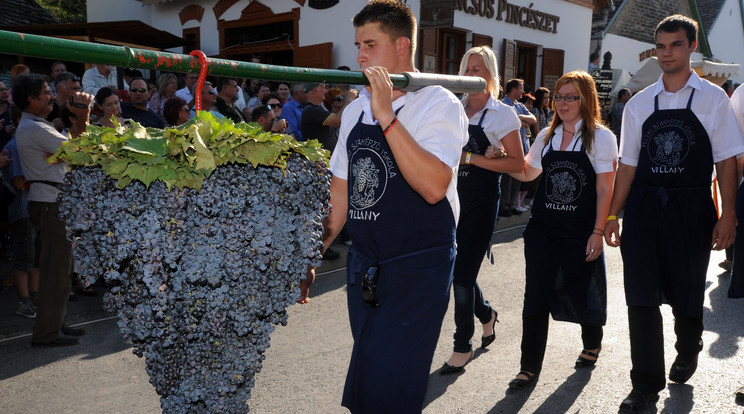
(200, 279)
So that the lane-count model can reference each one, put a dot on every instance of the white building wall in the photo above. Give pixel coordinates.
(726, 37)
(573, 34)
(334, 25)
(115, 10)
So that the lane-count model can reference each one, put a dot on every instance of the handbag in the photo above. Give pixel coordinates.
(7, 192)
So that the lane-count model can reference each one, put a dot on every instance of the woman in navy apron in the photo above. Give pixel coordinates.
(563, 241)
(478, 187)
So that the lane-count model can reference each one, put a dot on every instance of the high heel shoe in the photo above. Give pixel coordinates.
(518, 383)
(451, 369)
(582, 362)
(488, 340)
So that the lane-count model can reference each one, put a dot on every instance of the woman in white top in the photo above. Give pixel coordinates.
(492, 123)
(563, 241)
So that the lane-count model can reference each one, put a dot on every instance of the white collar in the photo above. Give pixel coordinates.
(693, 81)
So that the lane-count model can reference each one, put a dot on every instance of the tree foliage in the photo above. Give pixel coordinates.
(67, 11)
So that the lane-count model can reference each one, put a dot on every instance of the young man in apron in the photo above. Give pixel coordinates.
(673, 133)
(394, 183)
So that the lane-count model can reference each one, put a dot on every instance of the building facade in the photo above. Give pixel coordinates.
(535, 41)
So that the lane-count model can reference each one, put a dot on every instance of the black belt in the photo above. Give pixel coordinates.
(51, 183)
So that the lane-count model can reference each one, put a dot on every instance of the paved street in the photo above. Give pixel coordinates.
(305, 367)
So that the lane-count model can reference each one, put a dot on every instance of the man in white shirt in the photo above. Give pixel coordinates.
(185, 92)
(394, 184)
(670, 222)
(37, 139)
(99, 76)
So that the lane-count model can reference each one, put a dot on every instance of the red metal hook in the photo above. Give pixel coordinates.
(202, 77)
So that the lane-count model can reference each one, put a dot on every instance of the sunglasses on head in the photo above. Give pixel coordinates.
(140, 90)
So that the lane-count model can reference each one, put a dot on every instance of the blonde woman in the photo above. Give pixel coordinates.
(563, 241)
(492, 123)
(167, 87)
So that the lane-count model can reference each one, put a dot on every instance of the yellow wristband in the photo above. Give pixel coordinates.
(612, 218)
(467, 157)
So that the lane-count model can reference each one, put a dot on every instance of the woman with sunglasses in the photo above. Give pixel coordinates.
(563, 241)
(491, 122)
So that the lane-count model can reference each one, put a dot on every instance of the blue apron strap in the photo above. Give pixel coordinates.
(549, 145)
(483, 115)
(361, 116)
(689, 101)
(656, 103)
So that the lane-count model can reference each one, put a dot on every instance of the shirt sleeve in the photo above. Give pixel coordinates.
(604, 151)
(340, 158)
(726, 139)
(89, 83)
(440, 127)
(737, 102)
(498, 125)
(534, 157)
(630, 134)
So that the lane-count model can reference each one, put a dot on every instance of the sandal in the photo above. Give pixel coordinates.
(583, 362)
(518, 383)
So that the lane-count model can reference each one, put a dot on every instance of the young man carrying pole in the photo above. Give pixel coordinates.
(394, 172)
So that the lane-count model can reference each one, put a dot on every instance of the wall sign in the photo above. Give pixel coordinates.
(515, 14)
(436, 13)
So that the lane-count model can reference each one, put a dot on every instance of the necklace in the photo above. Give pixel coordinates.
(567, 131)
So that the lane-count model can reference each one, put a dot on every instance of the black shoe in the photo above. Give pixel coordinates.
(69, 330)
(451, 369)
(516, 212)
(505, 213)
(331, 254)
(683, 368)
(488, 340)
(637, 400)
(518, 383)
(61, 341)
(582, 362)
(740, 396)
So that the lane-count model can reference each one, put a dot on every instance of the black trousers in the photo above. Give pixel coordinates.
(535, 338)
(647, 344)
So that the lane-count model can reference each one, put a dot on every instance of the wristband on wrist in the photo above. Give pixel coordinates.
(597, 234)
(385, 131)
(468, 155)
(612, 218)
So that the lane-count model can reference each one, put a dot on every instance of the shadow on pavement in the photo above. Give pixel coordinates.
(723, 319)
(438, 383)
(680, 399)
(513, 401)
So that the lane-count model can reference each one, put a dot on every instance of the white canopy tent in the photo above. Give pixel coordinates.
(650, 71)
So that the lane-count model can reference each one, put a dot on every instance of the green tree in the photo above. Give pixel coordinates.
(66, 11)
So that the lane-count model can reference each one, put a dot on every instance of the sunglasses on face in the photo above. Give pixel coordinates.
(138, 90)
(277, 105)
(339, 98)
(212, 92)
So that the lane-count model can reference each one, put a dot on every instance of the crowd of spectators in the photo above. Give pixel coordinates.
(168, 100)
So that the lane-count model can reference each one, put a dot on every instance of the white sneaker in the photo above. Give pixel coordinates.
(522, 208)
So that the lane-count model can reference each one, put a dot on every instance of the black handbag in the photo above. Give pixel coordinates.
(7, 192)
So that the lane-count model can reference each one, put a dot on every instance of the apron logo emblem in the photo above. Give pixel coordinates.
(563, 188)
(668, 145)
(369, 180)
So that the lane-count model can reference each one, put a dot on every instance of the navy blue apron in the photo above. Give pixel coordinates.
(413, 242)
(736, 286)
(478, 190)
(669, 215)
(558, 277)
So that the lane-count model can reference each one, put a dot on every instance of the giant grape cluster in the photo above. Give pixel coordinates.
(200, 278)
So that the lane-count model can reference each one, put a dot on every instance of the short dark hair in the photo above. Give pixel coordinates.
(27, 85)
(677, 22)
(594, 56)
(259, 111)
(131, 81)
(513, 83)
(623, 92)
(66, 76)
(395, 18)
(103, 94)
(221, 82)
(171, 109)
(270, 96)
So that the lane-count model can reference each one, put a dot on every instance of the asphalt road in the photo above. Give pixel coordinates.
(306, 365)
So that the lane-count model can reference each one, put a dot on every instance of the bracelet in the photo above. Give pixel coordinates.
(385, 131)
(467, 157)
(597, 234)
(601, 230)
(612, 218)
